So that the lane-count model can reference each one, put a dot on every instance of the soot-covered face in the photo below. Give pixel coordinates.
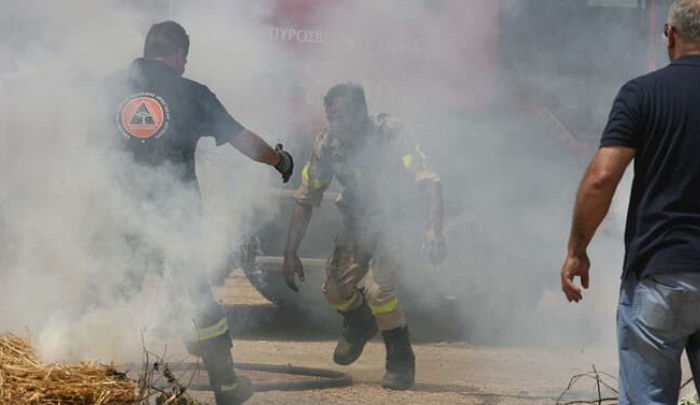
(344, 118)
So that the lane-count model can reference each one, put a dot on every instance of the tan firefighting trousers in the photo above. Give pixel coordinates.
(375, 254)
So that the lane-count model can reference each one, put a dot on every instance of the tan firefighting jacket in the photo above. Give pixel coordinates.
(378, 170)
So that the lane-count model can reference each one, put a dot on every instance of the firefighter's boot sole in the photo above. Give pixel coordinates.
(347, 352)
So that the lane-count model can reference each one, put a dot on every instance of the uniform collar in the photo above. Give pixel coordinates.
(687, 60)
(369, 128)
(153, 64)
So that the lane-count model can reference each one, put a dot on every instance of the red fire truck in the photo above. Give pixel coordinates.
(550, 67)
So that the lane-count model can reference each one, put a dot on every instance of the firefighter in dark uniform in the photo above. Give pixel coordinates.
(159, 116)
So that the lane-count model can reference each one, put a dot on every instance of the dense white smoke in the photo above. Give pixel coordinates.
(73, 267)
(68, 274)
(509, 176)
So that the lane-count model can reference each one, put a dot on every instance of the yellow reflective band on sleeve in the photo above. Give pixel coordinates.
(229, 387)
(213, 331)
(386, 308)
(349, 303)
(408, 160)
(314, 184)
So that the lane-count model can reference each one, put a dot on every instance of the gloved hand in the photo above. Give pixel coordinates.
(434, 247)
(286, 163)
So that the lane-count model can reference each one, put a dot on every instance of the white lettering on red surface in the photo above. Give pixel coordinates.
(287, 34)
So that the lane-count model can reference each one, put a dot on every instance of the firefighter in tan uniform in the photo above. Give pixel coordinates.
(378, 168)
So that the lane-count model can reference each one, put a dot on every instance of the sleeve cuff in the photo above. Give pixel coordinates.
(226, 137)
(617, 142)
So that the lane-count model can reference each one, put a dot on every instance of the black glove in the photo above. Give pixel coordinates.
(286, 163)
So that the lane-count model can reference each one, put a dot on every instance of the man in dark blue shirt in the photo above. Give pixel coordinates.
(655, 121)
(158, 118)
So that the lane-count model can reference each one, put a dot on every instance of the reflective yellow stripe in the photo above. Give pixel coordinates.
(229, 387)
(213, 331)
(412, 158)
(408, 160)
(313, 184)
(349, 303)
(386, 308)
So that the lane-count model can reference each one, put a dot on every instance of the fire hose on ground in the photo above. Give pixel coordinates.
(322, 378)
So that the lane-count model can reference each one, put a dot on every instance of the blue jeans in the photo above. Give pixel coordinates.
(657, 318)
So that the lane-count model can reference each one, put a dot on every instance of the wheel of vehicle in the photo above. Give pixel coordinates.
(265, 274)
(261, 256)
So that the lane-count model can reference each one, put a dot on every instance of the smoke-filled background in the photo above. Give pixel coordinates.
(507, 98)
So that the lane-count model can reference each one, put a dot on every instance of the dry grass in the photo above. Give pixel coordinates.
(24, 379)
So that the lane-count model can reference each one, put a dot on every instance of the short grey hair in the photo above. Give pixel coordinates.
(684, 15)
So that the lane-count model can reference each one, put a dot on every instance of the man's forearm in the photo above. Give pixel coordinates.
(592, 204)
(251, 145)
(595, 194)
(301, 216)
(433, 192)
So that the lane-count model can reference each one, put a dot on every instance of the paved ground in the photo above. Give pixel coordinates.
(448, 373)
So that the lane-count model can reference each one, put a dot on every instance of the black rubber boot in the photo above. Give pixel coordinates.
(236, 394)
(228, 388)
(400, 361)
(359, 326)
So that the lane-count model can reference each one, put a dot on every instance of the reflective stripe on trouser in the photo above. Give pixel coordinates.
(229, 387)
(203, 333)
(657, 318)
(206, 331)
(216, 356)
(191, 311)
(381, 287)
(349, 304)
(355, 255)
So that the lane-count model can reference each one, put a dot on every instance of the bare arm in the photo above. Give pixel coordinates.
(434, 246)
(433, 193)
(595, 194)
(251, 145)
(298, 224)
(593, 200)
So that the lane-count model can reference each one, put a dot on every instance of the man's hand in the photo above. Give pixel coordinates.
(593, 200)
(574, 266)
(292, 265)
(434, 247)
(286, 163)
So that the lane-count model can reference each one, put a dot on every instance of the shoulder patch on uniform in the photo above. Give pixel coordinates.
(143, 116)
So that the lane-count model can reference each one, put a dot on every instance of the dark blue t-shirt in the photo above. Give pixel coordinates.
(159, 116)
(659, 115)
